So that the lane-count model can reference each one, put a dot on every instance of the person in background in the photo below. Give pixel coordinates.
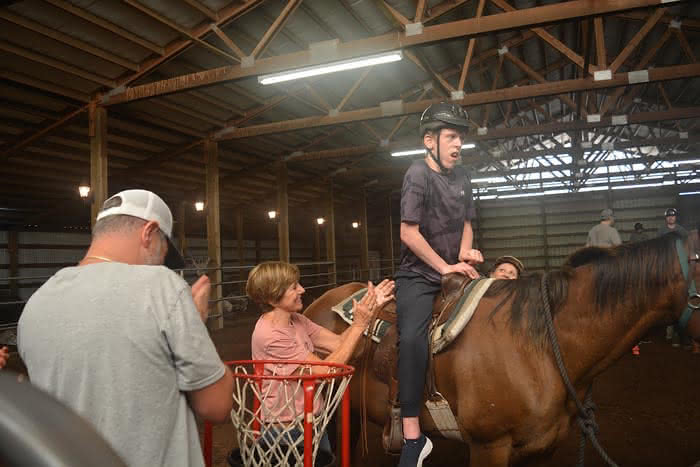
(604, 234)
(639, 235)
(671, 224)
(507, 267)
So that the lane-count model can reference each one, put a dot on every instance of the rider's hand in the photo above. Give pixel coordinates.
(385, 292)
(471, 256)
(462, 268)
(200, 295)
(362, 310)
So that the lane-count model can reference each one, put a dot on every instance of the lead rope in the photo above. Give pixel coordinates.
(586, 416)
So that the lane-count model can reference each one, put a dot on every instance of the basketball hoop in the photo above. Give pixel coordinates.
(281, 419)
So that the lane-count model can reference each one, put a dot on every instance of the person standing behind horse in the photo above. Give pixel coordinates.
(604, 234)
(638, 235)
(436, 236)
(671, 224)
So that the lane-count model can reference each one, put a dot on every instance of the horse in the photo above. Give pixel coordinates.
(499, 375)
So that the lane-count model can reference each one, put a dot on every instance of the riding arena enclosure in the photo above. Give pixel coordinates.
(282, 130)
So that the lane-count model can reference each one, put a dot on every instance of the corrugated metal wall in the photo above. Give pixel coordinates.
(543, 231)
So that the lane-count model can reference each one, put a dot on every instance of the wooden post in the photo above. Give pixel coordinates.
(241, 249)
(282, 212)
(211, 159)
(330, 237)
(364, 241)
(181, 236)
(13, 252)
(317, 252)
(98, 159)
(389, 238)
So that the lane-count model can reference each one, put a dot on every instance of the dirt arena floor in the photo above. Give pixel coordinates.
(648, 409)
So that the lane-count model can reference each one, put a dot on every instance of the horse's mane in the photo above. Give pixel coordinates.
(623, 274)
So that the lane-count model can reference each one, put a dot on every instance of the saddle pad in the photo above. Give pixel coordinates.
(463, 311)
(344, 310)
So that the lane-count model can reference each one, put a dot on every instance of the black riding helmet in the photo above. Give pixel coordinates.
(671, 212)
(439, 116)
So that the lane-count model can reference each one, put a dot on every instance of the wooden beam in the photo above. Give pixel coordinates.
(637, 39)
(240, 248)
(228, 41)
(275, 27)
(443, 8)
(98, 159)
(186, 32)
(181, 231)
(575, 9)
(330, 235)
(354, 88)
(56, 35)
(389, 235)
(104, 24)
(392, 14)
(686, 46)
(45, 85)
(546, 36)
(283, 211)
(470, 49)
(420, 11)
(196, 4)
(364, 239)
(477, 98)
(211, 159)
(600, 42)
(688, 23)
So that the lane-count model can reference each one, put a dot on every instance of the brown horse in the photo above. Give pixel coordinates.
(500, 376)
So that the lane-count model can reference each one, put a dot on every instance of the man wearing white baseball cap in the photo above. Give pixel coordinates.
(121, 339)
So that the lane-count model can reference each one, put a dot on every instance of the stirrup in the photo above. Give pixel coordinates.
(392, 435)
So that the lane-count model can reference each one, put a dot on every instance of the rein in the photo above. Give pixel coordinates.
(586, 415)
(692, 291)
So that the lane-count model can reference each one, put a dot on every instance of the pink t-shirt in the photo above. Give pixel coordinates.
(294, 342)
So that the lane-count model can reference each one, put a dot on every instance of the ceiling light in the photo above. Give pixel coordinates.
(355, 224)
(84, 190)
(333, 67)
(320, 221)
(410, 152)
(199, 206)
(272, 214)
(689, 193)
(468, 146)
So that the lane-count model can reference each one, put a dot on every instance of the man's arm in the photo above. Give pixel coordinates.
(213, 403)
(616, 237)
(414, 240)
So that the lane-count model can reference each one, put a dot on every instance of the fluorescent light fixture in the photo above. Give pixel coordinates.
(691, 161)
(333, 67)
(593, 188)
(481, 198)
(687, 193)
(489, 180)
(644, 185)
(468, 146)
(199, 206)
(410, 152)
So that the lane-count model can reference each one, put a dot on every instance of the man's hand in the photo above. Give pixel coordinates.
(471, 256)
(362, 310)
(385, 292)
(4, 356)
(200, 294)
(462, 268)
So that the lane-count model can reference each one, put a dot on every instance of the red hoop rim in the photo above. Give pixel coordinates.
(343, 370)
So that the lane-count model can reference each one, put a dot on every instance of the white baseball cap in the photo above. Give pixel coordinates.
(148, 206)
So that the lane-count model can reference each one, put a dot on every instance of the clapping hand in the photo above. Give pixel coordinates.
(363, 310)
(200, 294)
(385, 292)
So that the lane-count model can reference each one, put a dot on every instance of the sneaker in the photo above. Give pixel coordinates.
(635, 350)
(415, 451)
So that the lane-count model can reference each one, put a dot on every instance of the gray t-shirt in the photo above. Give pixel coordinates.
(121, 345)
(680, 230)
(603, 235)
(439, 204)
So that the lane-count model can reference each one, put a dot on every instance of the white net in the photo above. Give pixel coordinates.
(269, 413)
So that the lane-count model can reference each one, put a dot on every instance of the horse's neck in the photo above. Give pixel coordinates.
(592, 340)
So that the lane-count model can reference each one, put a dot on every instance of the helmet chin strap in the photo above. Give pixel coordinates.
(437, 158)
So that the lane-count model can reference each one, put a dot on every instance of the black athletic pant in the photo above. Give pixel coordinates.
(414, 307)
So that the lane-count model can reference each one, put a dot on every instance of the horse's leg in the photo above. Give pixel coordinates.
(493, 454)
